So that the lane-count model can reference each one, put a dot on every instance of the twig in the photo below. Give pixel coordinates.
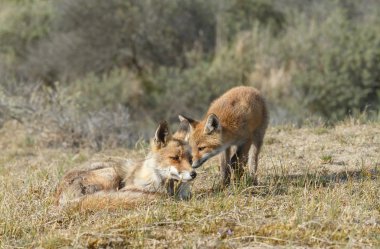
(249, 188)
(260, 237)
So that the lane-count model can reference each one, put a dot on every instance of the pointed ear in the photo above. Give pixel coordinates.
(191, 121)
(212, 124)
(162, 134)
(183, 131)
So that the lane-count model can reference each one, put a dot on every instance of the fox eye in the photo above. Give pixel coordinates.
(201, 148)
(175, 158)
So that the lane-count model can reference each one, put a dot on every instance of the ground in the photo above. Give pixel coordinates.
(318, 187)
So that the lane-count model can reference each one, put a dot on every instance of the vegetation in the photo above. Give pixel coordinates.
(311, 193)
(149, 60)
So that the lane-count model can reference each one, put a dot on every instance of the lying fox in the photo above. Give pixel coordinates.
(238, 119)
(118, 181)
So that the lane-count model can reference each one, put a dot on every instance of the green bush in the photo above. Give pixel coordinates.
(321, 73)
(242, 15)
(341, 73)
(23, 25)
(65, 40)
(95, 36)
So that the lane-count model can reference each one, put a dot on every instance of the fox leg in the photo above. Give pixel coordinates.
(225, 170)
(240, 159)
(258, 138)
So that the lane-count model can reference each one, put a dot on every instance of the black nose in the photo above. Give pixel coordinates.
(193, 174)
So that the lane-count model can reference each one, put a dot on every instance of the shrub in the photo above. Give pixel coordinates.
(62, 120)
(242, 15)
(151, 60)
(23, 25)
(341, 74)
(95, 36)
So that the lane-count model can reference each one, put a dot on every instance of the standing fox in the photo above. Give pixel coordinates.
(117, 181)
(238, 118)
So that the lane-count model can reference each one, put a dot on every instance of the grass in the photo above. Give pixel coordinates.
(314, 191)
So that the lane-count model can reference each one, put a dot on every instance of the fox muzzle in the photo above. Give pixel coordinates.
(198, 163)
(203, 159)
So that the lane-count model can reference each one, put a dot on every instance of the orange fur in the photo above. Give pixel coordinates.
(238, 119)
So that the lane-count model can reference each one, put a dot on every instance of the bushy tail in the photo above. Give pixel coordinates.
(93, 177)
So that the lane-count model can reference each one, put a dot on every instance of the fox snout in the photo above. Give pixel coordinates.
(198, 163)
(188, 176)
(193, 174)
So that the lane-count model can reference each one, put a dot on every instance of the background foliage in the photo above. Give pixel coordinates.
(105, 72)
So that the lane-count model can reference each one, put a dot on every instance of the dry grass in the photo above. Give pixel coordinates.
(319, 187)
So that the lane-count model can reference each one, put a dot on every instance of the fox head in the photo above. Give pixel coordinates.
(172, 154)
(205, 138)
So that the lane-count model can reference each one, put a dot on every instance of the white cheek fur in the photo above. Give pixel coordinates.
(183, 176)
(173, 170)
(186, 176)
(173, 173)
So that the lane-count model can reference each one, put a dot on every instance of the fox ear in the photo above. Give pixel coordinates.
(162, 134)
(190, 121)
(212, 124)
(183, 130)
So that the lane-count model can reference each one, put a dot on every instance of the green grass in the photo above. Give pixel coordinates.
(313, 191)
(326, 159)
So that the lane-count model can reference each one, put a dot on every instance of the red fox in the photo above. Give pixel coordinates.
(119, 181)
(238, 118)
